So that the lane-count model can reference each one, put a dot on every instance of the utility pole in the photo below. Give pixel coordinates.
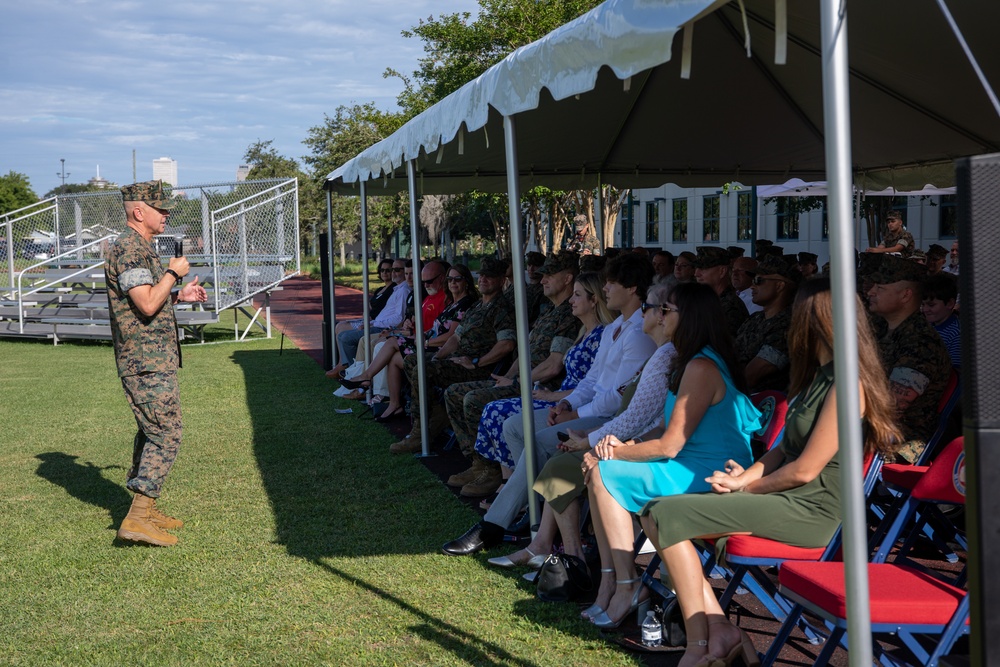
(62, 173)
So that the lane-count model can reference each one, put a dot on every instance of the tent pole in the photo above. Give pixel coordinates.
(837, 125)
(366, 314)
(521, 310)
(418, 316)
(329, 254)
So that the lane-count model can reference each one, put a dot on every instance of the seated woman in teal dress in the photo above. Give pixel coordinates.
(708, 419)
(792, 494)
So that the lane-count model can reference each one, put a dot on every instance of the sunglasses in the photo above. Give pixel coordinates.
(455, 279)
(428, 282)
(665, 309)
(386, 270)
(759, 280)
(399, 270)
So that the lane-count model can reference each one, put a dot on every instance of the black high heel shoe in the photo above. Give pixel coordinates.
(389, 416)
(355, 384)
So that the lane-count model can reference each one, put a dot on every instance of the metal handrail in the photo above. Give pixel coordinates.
(25, 208)
(20, 276)
(255, 195)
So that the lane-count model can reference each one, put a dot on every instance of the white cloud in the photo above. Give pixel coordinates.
(89, 80)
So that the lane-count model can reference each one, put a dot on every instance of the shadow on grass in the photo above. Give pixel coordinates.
(462, 644)
(334, 488)
(85, 482)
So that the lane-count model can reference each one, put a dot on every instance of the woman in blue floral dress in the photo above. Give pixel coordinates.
(590, 307)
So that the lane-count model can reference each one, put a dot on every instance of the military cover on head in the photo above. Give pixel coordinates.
(149, 192)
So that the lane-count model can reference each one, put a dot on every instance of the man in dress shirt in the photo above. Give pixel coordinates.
(624, 348)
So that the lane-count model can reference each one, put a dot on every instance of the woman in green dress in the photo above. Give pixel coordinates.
(792, 494)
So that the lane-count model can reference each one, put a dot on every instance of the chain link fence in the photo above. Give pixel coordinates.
(254, 243)
(241, 237)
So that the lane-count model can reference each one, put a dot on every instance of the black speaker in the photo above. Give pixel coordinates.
(978, 209)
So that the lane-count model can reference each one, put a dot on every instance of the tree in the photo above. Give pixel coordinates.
(265, 162)
(71, 189)
(351, 130)
(436, 218)
(15, 192)
(456, 50)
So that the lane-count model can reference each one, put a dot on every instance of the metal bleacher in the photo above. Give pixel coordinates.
(237, 245)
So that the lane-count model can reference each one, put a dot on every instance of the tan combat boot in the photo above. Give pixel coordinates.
(164, 521)
(138, 525)
(460, 479)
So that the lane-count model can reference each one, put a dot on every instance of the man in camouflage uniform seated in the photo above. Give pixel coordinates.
(712, 268)
(551, 337)
(896, 239)
(144, 332)
(485, 337)
(912, 352)
(762, 341)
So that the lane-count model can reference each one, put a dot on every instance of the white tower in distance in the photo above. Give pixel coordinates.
(165, 169)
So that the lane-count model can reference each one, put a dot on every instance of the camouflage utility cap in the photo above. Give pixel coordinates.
(710, 255)
(152, 193)
(807, 258)
(894, 269)
(492, 268)
(736, 251)
(772, 265)
(936, 252)
(564, 260)
(534, 258)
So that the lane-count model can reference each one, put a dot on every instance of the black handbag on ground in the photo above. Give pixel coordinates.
(562, 578)
(673, 623)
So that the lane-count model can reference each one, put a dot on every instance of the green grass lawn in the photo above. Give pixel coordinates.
(306, 541)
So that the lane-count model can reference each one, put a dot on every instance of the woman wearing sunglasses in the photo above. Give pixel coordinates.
(462, 294)
(708, 420)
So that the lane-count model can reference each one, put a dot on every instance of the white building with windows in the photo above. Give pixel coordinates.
(165, 169)
(678, 219)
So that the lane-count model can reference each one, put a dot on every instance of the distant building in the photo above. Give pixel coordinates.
(165, 169)
(97, 181)
(242, 172)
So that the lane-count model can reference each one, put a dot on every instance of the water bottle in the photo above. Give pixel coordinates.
(652, 631)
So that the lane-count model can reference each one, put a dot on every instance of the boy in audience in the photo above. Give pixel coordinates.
(938, 306)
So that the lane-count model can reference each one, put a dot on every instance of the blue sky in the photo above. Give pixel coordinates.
(198, 81)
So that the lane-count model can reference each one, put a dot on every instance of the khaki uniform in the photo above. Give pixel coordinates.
(554, 332)
(148, 355)
(914, 357)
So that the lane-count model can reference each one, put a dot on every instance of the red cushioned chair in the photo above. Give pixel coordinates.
(749, 555)
(905, 600)
(899, 478)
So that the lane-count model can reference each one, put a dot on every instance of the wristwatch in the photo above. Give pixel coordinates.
(475, 362)
(177, 278)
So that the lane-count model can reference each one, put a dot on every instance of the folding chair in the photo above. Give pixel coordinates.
(905, 600)
(750, 555)
(899, 478)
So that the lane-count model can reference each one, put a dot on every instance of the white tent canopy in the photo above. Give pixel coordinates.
(604, 99)
(796, 187)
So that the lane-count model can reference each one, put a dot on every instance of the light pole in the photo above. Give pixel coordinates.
(62, 174)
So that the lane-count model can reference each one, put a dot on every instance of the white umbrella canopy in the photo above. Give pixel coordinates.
(603, 100)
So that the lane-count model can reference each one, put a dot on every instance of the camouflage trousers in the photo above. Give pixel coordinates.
(466, 402)
(440, 375)
(910, 451)
(156, 404)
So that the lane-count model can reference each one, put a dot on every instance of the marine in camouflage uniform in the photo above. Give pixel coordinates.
(553, 333)
(712, 268)
(762, 341)
(147, 353)
(486, 326)
(915, 359)
(900, 237)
